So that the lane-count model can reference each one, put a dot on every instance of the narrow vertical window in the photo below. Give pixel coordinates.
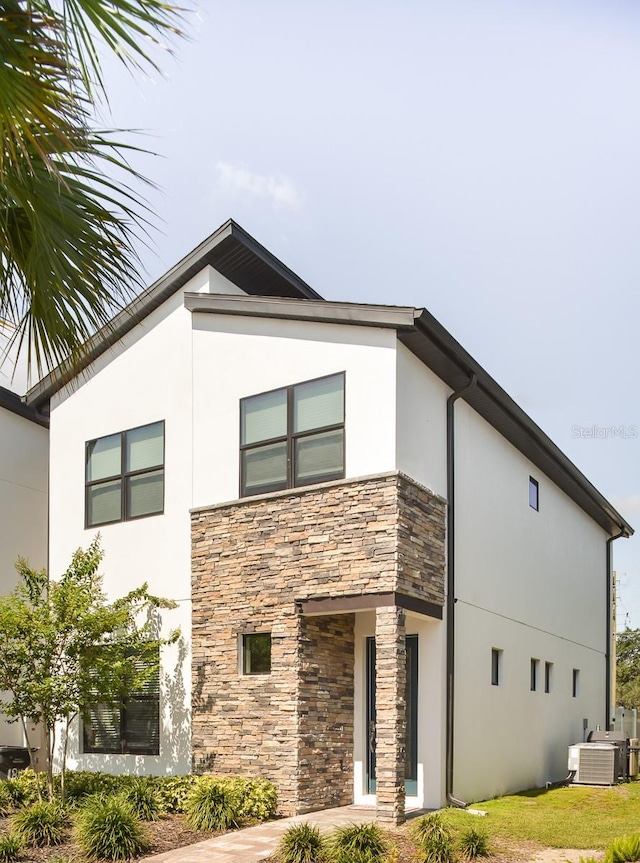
(548, 668)
(535, 666)
(534, 494)
(256, 650)
(575, 682)
(496, 666)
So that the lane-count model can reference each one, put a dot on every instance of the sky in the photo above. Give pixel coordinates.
(480, 158)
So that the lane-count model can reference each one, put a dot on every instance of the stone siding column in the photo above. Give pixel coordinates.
(391, 724)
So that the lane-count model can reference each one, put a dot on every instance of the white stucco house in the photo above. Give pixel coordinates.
(24, 468)
(392, 586)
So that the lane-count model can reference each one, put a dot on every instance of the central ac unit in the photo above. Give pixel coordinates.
(595, 763)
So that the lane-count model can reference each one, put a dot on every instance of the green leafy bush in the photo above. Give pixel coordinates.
(24, 788)
(143, 799)
(108, 829)
(213, 804)
(6, 799)
(357, 843)
(258, 798)
(302, 843)
(10, 848)
(624, 849)
(473, 843)
(40, 824)
(173, 791)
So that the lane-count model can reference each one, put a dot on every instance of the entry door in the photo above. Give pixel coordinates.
(411, 695)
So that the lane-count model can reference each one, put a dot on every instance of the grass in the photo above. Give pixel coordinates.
(573, 817)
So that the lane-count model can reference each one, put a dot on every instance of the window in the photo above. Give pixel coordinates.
(548, 668)
(534, 490)
(292, 436)
(131, 727)
(256, 653)
(575, 682)
(496, 666)
(125, 475)
(535, 668)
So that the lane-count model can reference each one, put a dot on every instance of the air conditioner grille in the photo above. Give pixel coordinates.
(597, 766)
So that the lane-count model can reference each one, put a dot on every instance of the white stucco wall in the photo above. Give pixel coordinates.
(24, 452)
(531, 584)
(234, 357)
(421, 422)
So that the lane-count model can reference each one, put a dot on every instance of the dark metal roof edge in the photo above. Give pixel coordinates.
(12, 402)
(395, 317)
(486, 384)
(154, 296)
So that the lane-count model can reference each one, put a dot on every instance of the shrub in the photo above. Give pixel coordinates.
(24, 788)
(143, 799)
(302, 843)
(10, 847)
(626, 848)
(358, 843)
(80, 784)
(40, 824)
(6, 799)
(108, 829)
(473, 843)
(173, 791)
(424, 829)
(439, 848)
(212, 804)
(258, 798)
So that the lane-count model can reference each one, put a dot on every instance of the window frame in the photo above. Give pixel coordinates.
(575, 683)
(292, 437)
(535, 674)
(121, 706)
(496, 666)
(548, 677)
(244, 653)
(123, 477)
(534, 484)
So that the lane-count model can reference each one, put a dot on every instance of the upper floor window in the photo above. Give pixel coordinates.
(534, 494)
(125, 475)
(292, 436)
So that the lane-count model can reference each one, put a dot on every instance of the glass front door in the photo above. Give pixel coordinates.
(411, 696)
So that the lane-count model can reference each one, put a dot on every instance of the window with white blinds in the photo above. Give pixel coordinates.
(131, 727)
(293, 436)
(125, 475)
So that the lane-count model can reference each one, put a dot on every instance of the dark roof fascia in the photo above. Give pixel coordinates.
(437, 348)
(174, 279)
(12, 402)
(320, 311)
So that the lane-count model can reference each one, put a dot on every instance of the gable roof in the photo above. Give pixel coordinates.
(276, 292)
(231, 251)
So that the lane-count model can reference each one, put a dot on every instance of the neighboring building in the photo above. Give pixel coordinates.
(24, 454)
(285, 469)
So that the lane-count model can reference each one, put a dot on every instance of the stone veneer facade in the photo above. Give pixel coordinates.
(254, 562)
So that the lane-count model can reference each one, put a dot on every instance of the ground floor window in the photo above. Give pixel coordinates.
(256, 653)
(130, 727)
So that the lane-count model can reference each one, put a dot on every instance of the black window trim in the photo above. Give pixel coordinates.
(548, 675)
(496, 666)
(124, 476)
(534, 483)
(291, 437)
(244, 645)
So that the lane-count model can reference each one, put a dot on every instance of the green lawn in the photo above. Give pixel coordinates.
(573, 817)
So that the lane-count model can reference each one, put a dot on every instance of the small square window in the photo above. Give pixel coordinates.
(548, 668)
(496, 666)
(256, 653)
(575, 683)
(534, 494)
(535, 669)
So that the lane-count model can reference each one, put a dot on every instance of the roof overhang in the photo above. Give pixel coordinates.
(231, 251)
(12, 402)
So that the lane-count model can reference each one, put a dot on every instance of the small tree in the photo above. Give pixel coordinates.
(628, 668)
(65, 647)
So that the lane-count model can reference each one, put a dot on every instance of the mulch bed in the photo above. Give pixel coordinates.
(164, 835)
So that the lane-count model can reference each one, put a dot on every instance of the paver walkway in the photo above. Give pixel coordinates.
(255, 843)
